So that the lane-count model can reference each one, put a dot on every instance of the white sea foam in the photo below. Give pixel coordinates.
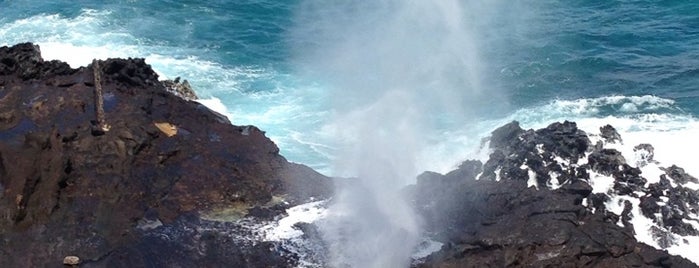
(216, 105)
(73, 40)
(638, 119)
(284, 228)
(300, 130)
(672, 136)
(601, 183)
(658, 122)
(247, 94)
(553, 183)
(425, 248)
(77, 40)
(531, 182)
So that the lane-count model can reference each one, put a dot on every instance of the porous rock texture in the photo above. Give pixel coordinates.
(133, 196)
(174, 184)
(532, 205)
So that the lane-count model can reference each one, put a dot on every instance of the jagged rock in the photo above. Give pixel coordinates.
(644, 154)
(517, 152)
(606, 161)
(564, 139)
(579, 187)
(677, 174)
(597, 201)
(627, 179)
(133, 196)
(649, 206)
(506, 135)
(674, 213)
(497, 221)
(181, 89)
(466, 170)
(25, 61)
(659, 189)
(609, 134)
(490, 168)
(131, 72)
(626, 214)
(504, 224)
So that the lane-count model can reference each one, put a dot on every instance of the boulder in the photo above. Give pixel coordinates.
(606, 161)
(609, 134)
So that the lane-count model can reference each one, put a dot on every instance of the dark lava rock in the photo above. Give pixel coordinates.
(466, 170)
(579, 187)
(506, 135)
(498, 220)
(677, 174)
(24, 60)
(516, 150)
(506, 224)
(645, 152)
(609, 134)
(606, 161)
(182, 89)
(671, 207)
(564, 139)
(138, 195)
(174, 184)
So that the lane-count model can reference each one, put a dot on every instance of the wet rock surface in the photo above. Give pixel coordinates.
(134, 196)
(174, 184)
(180, 88)
(532, 204)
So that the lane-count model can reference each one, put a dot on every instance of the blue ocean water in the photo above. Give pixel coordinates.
(294, 67)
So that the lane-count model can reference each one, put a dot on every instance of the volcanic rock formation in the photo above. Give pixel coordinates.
(136, 196)
(174, 184)
(532, 205)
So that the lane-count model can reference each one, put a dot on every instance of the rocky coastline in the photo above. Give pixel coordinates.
(133, 196)
(537, 203)
(174, 184)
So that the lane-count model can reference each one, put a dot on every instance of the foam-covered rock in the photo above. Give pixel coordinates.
(534, 205)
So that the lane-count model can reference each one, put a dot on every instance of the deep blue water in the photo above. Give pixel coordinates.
(293, 67)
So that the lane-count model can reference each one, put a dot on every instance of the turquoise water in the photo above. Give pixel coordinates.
(294, 67)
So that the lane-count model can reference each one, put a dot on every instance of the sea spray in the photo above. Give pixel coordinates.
(396, 71)
(370, 223)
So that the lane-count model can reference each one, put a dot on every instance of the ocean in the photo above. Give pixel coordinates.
(629, 63)
(352, 86)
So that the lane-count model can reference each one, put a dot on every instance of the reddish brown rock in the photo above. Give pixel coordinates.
(66, 191)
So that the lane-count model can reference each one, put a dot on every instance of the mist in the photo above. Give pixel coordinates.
(395, 70)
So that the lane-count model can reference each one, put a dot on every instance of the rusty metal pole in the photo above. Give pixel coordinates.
(100, 125)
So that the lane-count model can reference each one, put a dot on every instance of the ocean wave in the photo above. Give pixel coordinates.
(643, 119)
(639, 119)
(95, 34)
(247, 94)
(298, 118)
(74, 40)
